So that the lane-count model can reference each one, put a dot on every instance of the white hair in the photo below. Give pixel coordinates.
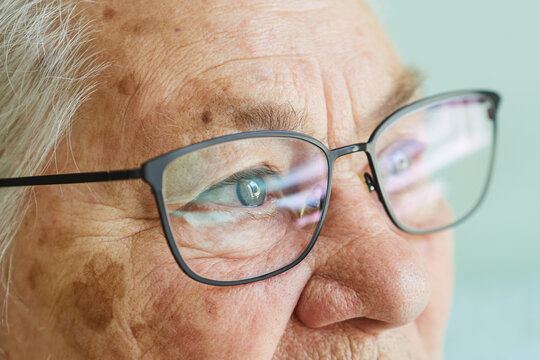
(47, 71)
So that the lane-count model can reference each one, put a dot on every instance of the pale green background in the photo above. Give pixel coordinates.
(495, 45)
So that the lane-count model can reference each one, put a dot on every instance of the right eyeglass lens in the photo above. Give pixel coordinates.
(434, 164)
(245, 208)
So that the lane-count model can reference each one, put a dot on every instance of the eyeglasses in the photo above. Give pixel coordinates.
(245, 207)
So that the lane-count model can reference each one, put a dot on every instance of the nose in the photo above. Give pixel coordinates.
(365, 272)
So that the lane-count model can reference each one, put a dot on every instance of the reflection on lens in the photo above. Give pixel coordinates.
(247, 207)
(434, 163)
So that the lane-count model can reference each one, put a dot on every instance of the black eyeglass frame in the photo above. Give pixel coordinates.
(152, 173)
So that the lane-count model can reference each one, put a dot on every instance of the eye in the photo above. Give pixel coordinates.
(400, 161)
(248, 188)
(251, 192)
(399, 156)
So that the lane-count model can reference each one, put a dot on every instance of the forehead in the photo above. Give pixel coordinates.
(191, 67)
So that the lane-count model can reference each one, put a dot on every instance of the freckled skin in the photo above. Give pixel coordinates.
(206, 117)
(103, 281)
(35, 274)
(108, 13)
(93, 274)
(128, 85)
(87, 305)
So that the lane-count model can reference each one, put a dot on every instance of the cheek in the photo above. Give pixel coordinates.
(181, 318)
(86, 309)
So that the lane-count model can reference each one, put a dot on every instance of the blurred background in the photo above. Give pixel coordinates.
(494, 45)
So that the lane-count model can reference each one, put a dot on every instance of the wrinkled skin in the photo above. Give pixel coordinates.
(93, 277)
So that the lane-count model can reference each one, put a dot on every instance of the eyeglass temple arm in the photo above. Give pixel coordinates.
(72, 178)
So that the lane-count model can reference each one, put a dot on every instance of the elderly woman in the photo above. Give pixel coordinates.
(187, 151)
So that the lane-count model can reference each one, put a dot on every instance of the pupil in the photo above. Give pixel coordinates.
(251, 192)
(401, 162)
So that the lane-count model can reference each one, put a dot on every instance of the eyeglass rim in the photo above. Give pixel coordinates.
(153, 170)
(152, 173)
(493, 97)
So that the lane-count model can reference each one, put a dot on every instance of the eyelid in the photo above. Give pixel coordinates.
(257, 171)
(411, 146)
(405, 144)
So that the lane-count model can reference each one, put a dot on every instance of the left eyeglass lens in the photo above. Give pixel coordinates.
(434, 163)
(245, 208)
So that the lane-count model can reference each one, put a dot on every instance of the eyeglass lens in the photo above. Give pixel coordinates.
(245, 208)
(434, 163)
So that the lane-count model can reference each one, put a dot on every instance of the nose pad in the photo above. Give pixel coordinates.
(370, 184)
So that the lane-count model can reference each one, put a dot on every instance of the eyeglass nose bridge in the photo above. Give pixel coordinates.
(349, 149)
(354, 148)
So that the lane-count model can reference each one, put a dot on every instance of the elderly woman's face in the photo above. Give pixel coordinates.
(92, 272)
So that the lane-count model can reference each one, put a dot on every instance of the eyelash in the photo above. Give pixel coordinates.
(259, 171)
(262, 171)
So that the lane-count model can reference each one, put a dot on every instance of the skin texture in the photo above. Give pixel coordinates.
(93, 277)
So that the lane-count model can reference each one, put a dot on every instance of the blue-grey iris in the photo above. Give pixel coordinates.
(251, 192)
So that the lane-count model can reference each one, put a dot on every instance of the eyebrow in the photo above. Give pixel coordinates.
(272, 116)
(405, 87)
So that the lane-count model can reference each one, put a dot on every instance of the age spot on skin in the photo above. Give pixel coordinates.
(167, 331)
(128, 85)
(140, 27)
(35, 274)
(94, 296)
(207, 117)
(53, 233)
(108, 13)
(210, 305)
